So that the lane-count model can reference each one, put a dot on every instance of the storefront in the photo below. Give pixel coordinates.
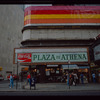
(95, 65)
(54, 35)
(47, 62)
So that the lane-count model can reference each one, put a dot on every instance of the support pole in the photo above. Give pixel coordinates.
(17, 75)
(68, 73)
(68, 76)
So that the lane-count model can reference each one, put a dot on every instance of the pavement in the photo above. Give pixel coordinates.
(50, 87)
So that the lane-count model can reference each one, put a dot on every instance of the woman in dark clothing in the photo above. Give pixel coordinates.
(81, 76)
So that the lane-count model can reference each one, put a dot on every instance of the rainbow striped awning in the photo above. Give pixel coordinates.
(62, 15)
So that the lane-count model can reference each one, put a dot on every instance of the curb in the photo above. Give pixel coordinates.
(32, 90)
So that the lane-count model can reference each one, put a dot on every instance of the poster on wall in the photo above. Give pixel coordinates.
(48, 73)
(97, 52)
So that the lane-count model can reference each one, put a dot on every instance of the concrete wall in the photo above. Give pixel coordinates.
(62, 34)
(11, 24)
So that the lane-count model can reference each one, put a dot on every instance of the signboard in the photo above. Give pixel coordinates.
(51, 55)
(24, 57)
(97, 52)
(59, 57)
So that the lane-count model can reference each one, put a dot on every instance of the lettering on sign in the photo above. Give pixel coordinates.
(59, 57)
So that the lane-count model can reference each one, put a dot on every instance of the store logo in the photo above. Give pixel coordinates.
(24, 57)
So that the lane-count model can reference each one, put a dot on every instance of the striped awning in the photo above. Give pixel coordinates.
(83, 67)
(52, 65)
(63, 15)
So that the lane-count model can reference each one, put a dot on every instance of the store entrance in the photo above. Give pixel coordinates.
(47, 73)
(53, 73)
(41, 73)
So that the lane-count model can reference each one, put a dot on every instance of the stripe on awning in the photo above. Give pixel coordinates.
(83, 67)
(70, 67)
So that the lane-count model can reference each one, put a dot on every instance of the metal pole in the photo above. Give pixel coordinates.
(68, 75)
(17, 75)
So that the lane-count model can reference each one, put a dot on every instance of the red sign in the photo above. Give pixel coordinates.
(24, 57)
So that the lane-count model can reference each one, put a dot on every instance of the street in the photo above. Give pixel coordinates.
(40, 93)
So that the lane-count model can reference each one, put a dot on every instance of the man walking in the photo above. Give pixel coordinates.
(29, 78)
(81, 76)
(11, 81)
(93, 77)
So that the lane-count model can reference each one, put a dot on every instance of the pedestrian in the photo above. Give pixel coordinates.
(33, 81)
(11, 81)
(81, 76)
(21, 74)
(75, 79)
(71, 79)
(29, 78)
(68, 79)
(94, 77)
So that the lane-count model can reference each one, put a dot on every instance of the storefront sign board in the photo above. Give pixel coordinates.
(59, 57)
(51, 55)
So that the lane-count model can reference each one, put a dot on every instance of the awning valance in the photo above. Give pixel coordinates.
(70, 66)
(83, 67)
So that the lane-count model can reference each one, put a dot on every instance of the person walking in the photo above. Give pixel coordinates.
(81, 76)
(11, 81)
(71, 78)
(68, 79)
(29, 78)
(75, 79)
(94, 78)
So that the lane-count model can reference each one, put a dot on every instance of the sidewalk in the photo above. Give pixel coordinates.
(64, 87)
(52, 87)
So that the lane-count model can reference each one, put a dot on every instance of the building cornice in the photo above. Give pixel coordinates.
(55, 43)
(62, 27)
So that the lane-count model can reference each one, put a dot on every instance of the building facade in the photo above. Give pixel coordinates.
(11, 23)
(56, 34)
(95, 49)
